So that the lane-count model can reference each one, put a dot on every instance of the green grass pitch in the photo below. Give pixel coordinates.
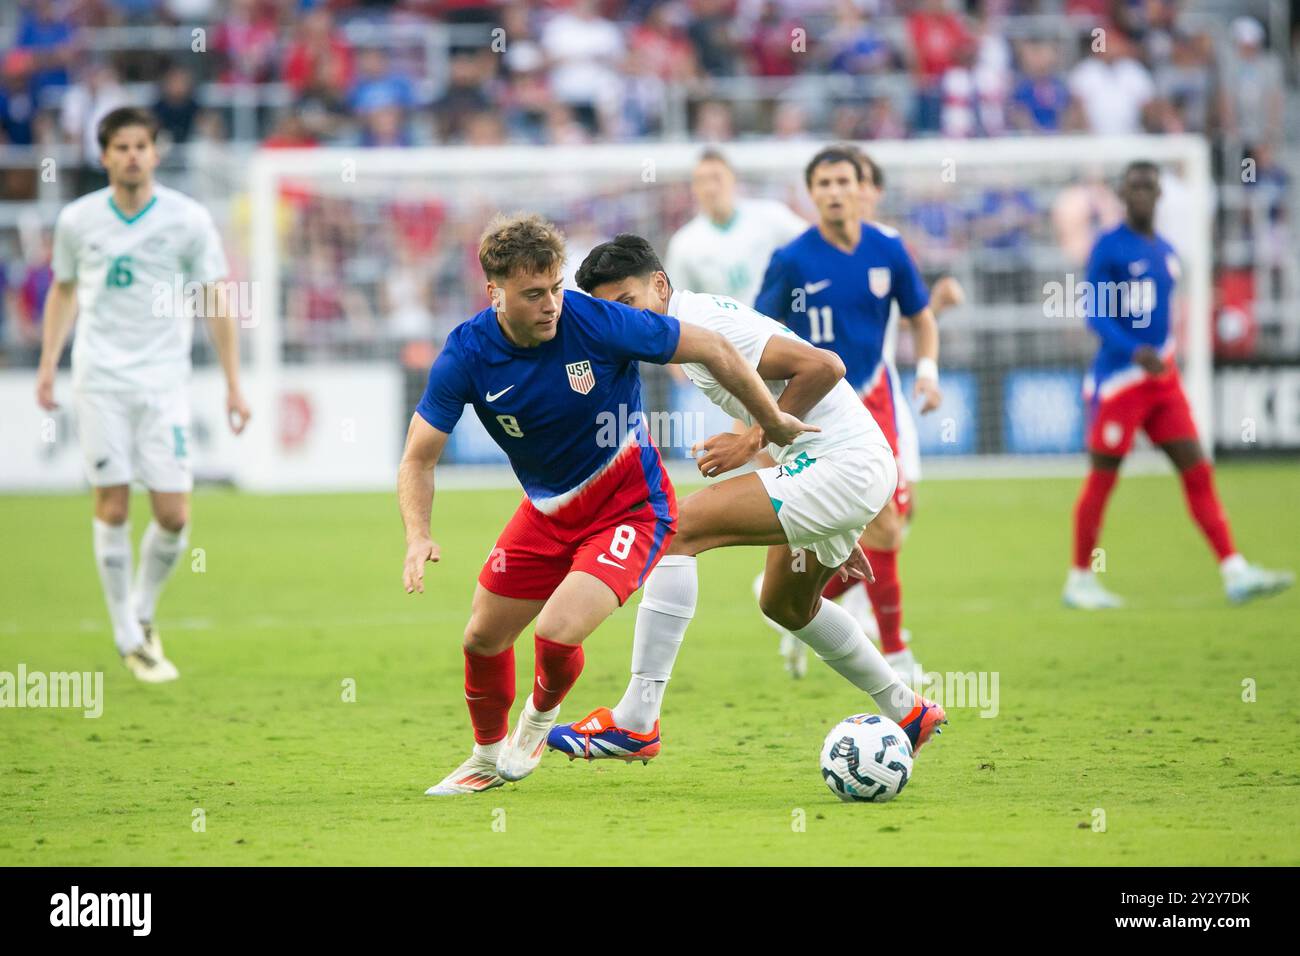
(1138, 714)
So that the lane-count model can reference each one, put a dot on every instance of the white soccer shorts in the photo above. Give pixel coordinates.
(825, 503)
(135, 434)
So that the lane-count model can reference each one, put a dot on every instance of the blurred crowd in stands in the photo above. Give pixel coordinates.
(298, 73)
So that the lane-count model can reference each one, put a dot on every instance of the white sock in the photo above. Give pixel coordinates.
(838, 639)
(857, 602)
(159, 551)
(667, 606)
(488, 751)
(1232, 564)
(113, 558)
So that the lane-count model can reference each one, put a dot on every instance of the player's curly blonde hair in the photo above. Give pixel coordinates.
(520, 243)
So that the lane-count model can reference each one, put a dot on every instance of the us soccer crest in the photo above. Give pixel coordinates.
(878, 281)
(581, 378)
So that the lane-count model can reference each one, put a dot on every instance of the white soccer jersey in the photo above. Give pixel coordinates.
(844, 420)
(133, 331)
(730, 259)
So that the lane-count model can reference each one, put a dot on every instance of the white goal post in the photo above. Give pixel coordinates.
(574, 178)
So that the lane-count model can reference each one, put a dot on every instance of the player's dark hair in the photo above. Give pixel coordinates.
(520, 243)
(120, 119)
(873, 170)
(712, 155)
(834, 154)
(623, 256)
(1140, 166)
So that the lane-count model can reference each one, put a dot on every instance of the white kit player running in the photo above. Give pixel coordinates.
(946, 293)
(726, 246)
(818, 497)
(122, 258)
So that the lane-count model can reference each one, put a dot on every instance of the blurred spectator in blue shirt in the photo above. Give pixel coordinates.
(856, 47)
(17, 104)
(46, 30)
(1041, 98)
(378, 85)
(176, 108)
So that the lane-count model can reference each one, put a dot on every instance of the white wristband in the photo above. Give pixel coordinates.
(927, 368)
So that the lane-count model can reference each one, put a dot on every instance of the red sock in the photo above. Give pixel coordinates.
(835, 587)
(558, 667)
(1203, 503)
(1088, 511)
(489, 692)
(887, 599)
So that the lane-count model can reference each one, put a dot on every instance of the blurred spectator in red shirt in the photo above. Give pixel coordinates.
(319, 56)
(661, 46)
(772, 43)
(291, 132)
(938, 39)
(245, 42)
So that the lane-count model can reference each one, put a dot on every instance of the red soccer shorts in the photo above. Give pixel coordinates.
(616, 530)
(879, 399)
(1157, 405)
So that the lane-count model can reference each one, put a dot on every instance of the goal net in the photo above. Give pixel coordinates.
(364, 260)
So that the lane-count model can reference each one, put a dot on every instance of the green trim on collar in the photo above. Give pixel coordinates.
(130, 219)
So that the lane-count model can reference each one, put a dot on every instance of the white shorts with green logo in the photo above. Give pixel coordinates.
(136, 435)
(825, 503)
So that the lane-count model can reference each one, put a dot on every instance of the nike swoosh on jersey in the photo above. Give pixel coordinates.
(812, 288)
(491, 397)
(604, 560)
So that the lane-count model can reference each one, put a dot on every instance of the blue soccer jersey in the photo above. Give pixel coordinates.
(562, 410)
(1126, 302)
(841, 301)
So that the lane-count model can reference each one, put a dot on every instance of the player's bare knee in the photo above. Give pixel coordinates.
(783, 611)
(558, 625)
(172, 519)
(112, 508)
(483, 641)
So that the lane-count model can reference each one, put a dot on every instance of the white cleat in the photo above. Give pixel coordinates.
(795, 654)
(1248, 581)
(152, 639)
(1084, 592)
(475, 775)
(150, 666)
(522, 751)
(906, 667)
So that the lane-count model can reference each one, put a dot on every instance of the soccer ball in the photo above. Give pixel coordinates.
(866, 757)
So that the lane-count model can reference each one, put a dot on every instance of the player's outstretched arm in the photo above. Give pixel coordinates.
(225, 338)
(56, 323)
(926, 329)
(810, 373)
(424, 445)
(946, 293)
(737, 376)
